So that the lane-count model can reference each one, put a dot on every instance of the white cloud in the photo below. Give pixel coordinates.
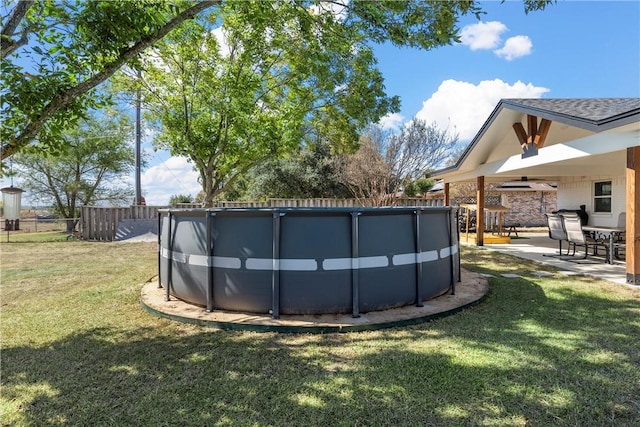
(171, 177)
(221, 35)
(463, 107)
(515, 47)
(483, 35)
(391, 121)
(336, 8)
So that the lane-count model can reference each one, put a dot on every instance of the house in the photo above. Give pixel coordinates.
(528, 201)
(589, 147)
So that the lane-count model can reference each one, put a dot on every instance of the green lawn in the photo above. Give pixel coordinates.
(77, 349)
(39, 237)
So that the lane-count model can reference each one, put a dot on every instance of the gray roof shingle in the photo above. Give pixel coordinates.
(595, 110)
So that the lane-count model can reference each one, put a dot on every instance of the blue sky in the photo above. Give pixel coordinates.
(573, 49)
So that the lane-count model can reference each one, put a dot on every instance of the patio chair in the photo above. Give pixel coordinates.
(557, 232)
(622, 220)
(577, 237)
(620, 239)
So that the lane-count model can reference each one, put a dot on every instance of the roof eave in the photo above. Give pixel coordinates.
(618, 120)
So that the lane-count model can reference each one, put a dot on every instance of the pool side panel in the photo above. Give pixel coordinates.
(189, 242)
(245, 237)
(435, 239)
(393, 285)
(313, 237)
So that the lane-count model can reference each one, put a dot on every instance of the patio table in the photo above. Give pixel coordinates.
(609, 233)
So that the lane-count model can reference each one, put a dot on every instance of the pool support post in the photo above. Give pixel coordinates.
(419, 272)
(170, 258)
(275, 275)
(159, 250)
(450, 233)
(458, 243)
(355, 274)
(208, 225)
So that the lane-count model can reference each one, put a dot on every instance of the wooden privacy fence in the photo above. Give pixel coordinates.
(311, 203)
(101, 223)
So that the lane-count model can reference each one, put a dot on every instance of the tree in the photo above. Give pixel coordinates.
(455, 155)
(93, 169)
(55, 54)
(310, 173)
(180, 198)
(388, 163)
(281, 74)
(366, 174)
(419, 187)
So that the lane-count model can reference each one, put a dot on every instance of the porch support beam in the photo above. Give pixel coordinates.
(534, 137)
(480, 211)
(521, 134)
(543, 131)
(633, 216)
(532, 126)
(446, 194)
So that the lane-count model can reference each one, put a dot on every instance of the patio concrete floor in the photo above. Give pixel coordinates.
(533, 243)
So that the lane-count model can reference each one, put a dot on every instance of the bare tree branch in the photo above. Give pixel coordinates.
(9, 45)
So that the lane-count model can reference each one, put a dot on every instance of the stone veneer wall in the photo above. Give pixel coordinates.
(528, 207)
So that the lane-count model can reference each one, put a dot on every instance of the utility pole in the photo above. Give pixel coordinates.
(138, 142)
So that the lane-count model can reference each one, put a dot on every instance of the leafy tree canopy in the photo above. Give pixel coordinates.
(180, 198)
(251, 80)
(273, 76)
(55, 53)
(93, 169)
(312, 172)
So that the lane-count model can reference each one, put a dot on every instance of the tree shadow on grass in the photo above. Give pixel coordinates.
(520, 357)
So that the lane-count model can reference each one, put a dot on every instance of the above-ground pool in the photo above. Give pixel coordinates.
(308, 260)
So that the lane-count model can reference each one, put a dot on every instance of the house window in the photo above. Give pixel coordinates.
(602, 197)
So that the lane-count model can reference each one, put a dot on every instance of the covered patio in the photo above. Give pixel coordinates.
(590, 148)
(534, 244)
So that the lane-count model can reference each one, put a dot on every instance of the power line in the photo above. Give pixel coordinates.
(175, 177)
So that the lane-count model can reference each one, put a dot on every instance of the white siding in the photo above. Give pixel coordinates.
(576, 191)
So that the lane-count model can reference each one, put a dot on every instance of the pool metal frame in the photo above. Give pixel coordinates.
(277, 264)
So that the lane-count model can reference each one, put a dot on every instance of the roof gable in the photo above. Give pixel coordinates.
(572, 120)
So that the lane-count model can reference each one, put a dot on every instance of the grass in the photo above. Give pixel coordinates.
(38, 237)
(77, 349)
